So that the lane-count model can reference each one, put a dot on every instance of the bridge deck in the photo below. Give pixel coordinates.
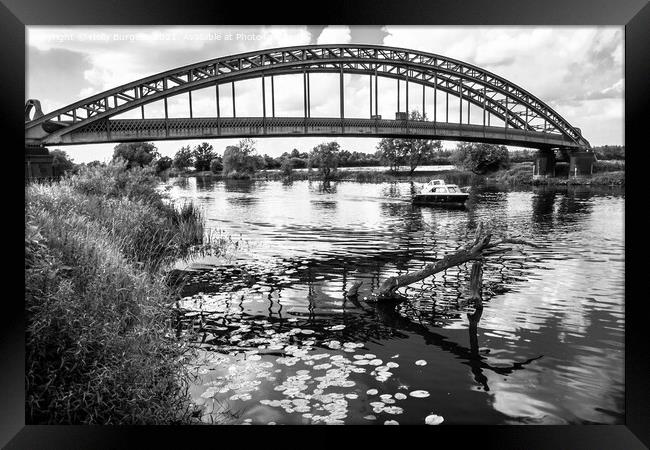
(129, 130)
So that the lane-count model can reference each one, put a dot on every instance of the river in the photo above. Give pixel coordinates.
(278, 341)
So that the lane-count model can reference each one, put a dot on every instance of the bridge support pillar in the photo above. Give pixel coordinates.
(38, 163)
(544, 164)
(581, 164)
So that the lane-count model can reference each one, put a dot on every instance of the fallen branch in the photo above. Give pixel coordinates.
(476, 251)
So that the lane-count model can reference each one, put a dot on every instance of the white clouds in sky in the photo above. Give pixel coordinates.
(577, 70)
(335, 34)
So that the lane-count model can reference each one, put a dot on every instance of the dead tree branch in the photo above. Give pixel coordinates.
(476, 251)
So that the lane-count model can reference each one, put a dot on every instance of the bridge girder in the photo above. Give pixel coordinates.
(484, 89)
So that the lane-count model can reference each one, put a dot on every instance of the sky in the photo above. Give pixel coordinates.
(578, 71)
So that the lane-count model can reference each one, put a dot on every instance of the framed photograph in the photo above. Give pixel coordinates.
(408, 215)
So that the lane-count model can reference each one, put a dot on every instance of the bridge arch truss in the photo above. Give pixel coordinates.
(527, 120)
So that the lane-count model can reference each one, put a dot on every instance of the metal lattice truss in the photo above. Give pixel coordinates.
(494, 95)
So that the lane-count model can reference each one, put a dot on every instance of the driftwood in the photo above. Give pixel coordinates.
(476, 251)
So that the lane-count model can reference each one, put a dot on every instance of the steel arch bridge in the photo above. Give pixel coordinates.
(524, 120)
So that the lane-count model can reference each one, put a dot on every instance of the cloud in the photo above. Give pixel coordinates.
(567, 67)
(334, 34)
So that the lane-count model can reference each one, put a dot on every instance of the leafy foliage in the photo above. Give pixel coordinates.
(326, 158)
(481, 158)
(184, 158)
(286, 169)
(202, 155)
(216, 165)
(609, 152)
(163, 164)
(61, 162)
(240, 160)
(396, 152)
(138, 154)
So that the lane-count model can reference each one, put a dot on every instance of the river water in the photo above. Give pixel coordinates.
(279, 342)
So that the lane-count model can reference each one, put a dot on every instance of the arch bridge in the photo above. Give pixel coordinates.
(507, 114)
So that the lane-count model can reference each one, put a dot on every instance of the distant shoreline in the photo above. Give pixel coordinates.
(518, 174)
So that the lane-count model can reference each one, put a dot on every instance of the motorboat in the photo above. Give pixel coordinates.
(437, 192)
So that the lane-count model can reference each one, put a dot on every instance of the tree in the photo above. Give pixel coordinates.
(286, 168)
(247, 145)
(216, 165)
(136, 153)
(163, 164)
(481, 158)
(326, 158)
(61, 163)
(183, 158)
(202, 155)
(411, 152)
(240, 160)
(390, 153)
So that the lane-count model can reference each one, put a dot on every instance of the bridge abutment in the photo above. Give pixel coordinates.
(581, 164)
(544, 164)
(38, 163)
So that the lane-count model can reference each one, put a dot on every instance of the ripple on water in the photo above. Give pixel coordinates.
(548, 345)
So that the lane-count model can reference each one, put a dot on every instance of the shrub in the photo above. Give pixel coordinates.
(163, 164)
(609, 166)
(216, 166)
(286, 168)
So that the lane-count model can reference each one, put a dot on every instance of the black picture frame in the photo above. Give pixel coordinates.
(633, 14)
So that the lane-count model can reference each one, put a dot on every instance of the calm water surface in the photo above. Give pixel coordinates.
(280, 343)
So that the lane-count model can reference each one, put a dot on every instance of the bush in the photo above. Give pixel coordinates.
(286, 168)
(61, 162)
(163, 164)
(609, 166)
(216, 166)
(98, 339)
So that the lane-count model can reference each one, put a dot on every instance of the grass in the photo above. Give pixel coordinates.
(98, 339)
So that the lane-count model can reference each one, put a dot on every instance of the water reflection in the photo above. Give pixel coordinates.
(545, 347)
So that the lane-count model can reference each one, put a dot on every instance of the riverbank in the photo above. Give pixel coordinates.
(99, 348)
(605, 174)
(360, 175)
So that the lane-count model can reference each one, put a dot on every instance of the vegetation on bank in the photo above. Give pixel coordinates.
(99, 346)
(605, 173)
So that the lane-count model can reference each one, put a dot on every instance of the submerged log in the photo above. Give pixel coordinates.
(476, 251)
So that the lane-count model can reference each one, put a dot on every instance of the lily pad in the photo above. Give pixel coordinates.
(433, 419)
(419, 394)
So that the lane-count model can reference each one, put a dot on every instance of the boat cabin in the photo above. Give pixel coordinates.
(439, 187)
